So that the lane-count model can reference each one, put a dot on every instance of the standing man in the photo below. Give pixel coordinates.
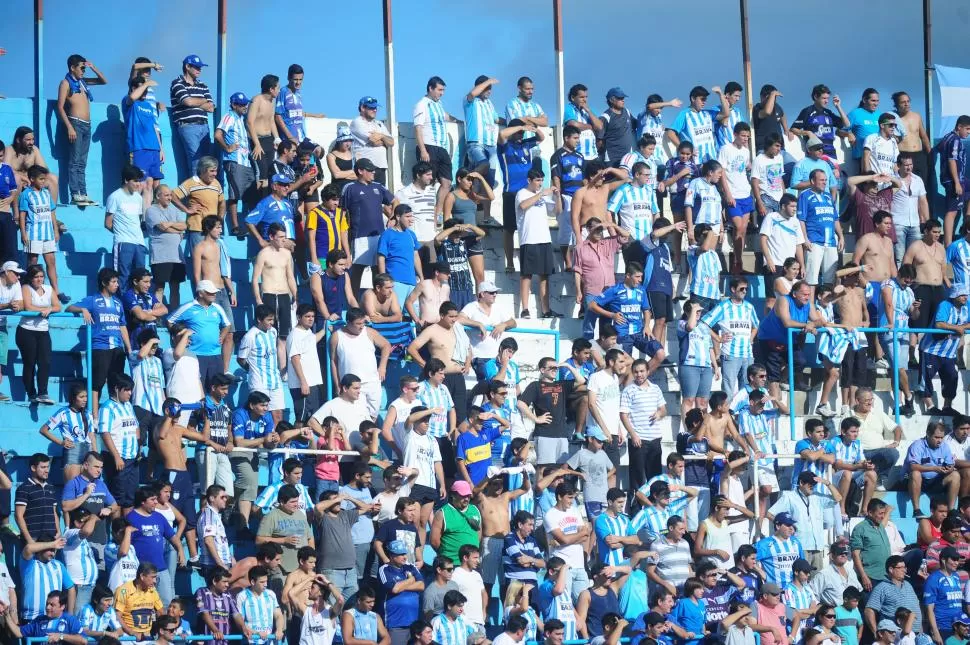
(736, 323)
(940, 350)
(261, 124)
(366, 205)
(210, 326)
(910, 208)
(481, 132)
(166, 227)
(809, 510)
(304, 374)
(371, 138)
(274, 284)
(821, 229)
(211, 263)
(566, 168)
(431, 134)
(578, 115)
(533, 207)
(289, 111)
(527, 110)
(616, 135)
(694, 124)
(232, 136)
(870, 545)
(516, 156)
(880, 150)
(819, 121)
(74, 112)
(928, 257)
(123, 215)
(953, 171)
(735, 158)
(915, 141)
(191, 105)
(199, 197)
(35, 506)
(403, 584)
(420, 196)
(642, 406)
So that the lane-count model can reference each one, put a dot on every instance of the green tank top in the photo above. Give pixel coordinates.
(459, 529)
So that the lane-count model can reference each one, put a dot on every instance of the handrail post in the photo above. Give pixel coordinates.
(327, 359)
(757, 494)
(895, 333)
(87, 365)
(791, 382)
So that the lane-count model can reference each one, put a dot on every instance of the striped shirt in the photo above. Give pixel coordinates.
(92, 621)
(958, 256)
(210, 525)
(118, 419)
(233, 128)
(652, 519)
(451, 632)
(39, 579)
(617, 526)
(266, 500)
(180, 91)
(705, 200)
(945, 345)
(635, 207)
(833, 341)
(436, 397)
(328, 227)
(902, 299)
(724, 132)
(526, 502)
(816, 467)
(220, 607)
(121, 570)
(587, 138)
(39, 501)
(512, 548)
(517, 108)
(654, 126)
(431, 116)
(559, 607)
(777, 556)
(79, 558)
(698, 128)
(194, 191)
(850, 454)
(257, 611)
(705, 273)
(695, 345)
(38, 208)
(72, 424)
(678, 499)
(762, 428)
(641, 402)
(149, 377)
(258, 349)
(481, 122)
(737, 318)
(673, 560)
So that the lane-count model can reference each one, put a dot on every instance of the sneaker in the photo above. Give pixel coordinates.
(881, 488)
(948, 411)
(88, 201)
(64, 298)
(933, 412)
(907, 409)
(32, 400)
(845, 411)
(882, 364)
(552, 314)
(825, 410)
(79, 200)
(525, 314)
(44, 399)
(4, 397)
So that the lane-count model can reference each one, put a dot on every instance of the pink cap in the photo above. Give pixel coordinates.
(462, 487)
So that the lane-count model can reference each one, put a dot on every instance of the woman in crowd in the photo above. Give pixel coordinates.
(461, 204)
(34, 336)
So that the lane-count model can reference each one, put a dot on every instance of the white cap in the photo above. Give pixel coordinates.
(206, 285)
(11, 266)
(487, 286)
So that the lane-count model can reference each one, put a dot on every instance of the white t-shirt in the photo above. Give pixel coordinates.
(470, 585)
(422, 452)
(303, 343)
(403, 410)
(534, 223)
(505, 639)
(569, 522)
(6, 582)
(783, 234)
(350, 415)
(770, 172)
(483, 345)
(422, 203)
(905, 208)
(958, 449)
(184, 382)
(606, 385)
(11, 293)
(362, 148)
(317, 628)
(737, 163)
(882, 154)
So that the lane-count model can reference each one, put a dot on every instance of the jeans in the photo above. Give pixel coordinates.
(365, 561)
(324, 485)
(9, 235)
(127, 258)
(732, 370)
(905, 235)
(78, 157)
(579, 583)
(343, 579)
(209, 366)
(589, 318)
(195, 144)
(883, 459)
(166, 577)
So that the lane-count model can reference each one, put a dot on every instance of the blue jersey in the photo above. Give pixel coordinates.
(946, 345)
(695, 344)
(850, 453)
(289, 106)
(658, 267)
(140, 120)
(400, 609)
(818, 212)
(958, 256)
(244, 426)
(951, 148)
(567, 165)
(515, 159)
(269, 211)
(206, 323)
(675, 167)
(739, 319)
(587, 138)
(559, 607)
(44, 626)
(862, 123)
(777, 557)
(698, 128)
(108, 315)
(481, 122)
(92, 621)
(604, 526)
(705, 273)
(118, 420)
(944, 593)
(38, 208)
(631, 302)
(724, 132)
(704, 199)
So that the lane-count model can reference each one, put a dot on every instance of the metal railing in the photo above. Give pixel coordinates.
(198, 638)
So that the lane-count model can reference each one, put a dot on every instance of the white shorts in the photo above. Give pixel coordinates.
(565, 236)
(767, 476)
(275, 398)
(820, 262)
(40, 247)
(365, 250)
(373, 394)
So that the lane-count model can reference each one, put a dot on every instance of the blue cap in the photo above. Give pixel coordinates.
(368, 101)
(397, 547)
(281, 179)
(239, 98)
(616, 93)
(193, 60)
(596, 433)
(962, 619)
(785, 518)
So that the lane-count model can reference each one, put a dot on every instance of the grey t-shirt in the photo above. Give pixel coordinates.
(165, 247)
(336, 548)
(596, 466)
(434, 597)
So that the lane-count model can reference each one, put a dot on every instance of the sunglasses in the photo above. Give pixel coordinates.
(829, 616)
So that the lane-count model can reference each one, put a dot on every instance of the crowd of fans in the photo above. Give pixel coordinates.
(545, 498)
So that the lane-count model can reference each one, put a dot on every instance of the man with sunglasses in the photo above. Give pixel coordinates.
(371, 138)
(833, 579)
(880, 150)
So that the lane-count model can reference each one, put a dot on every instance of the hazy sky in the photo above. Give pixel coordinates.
(643, 46)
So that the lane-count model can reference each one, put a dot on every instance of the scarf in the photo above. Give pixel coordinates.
(78, 85)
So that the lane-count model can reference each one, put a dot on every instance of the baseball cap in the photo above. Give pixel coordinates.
(956, 290)
(368, 102)
(10, 265)
(596, 433)
(771, 589)
(343, 134)
(239, 98)
(365, 164)
(206, 285)
(462, 487)
(839, 549)
(281, 179)
(487, 286)
(616, 93)
(802, 565)
(949, 552)
(814, 142)
(785, 518)
(193, 60)
(886, 625)
(963, 619)
(398, 547)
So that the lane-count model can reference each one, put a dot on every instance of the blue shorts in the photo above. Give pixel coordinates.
(954, 202)
(741, 207)
(182, 494)
(149, 162)
(477, 154)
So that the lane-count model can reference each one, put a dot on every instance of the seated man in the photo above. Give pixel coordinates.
(381, 303)
(930, 468)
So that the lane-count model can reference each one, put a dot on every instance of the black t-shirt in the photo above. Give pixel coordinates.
(550, 397)
(766, 125)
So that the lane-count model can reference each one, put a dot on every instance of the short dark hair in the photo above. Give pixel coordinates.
(434, 82)
(130, 172)
(293, 70)
(39, 458)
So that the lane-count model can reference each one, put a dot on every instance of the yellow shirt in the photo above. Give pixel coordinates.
(328, 229)
(209, 196)
(137, 609)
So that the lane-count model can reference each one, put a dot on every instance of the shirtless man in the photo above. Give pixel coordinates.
(590, 200)
(381, 303)
(874, 251)
(22, 154)
(719, 425)
(267, 555)
(274, 265)
(915, 140)
(210, 261)
(74, 112)
(296, 590)
(852, 311)
(492, 501)
(928, 257)
(442, 343)
(261, 124)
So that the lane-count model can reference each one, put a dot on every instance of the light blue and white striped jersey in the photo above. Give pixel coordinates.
(436, 397)
(634, 156)
(79, 558)
(850, 454)
(641, 402)
(587, 138)
(695, 345)
(365, 624)
(832, 341)
(945, 345)
(451, 632)
(526, 502)
(705, 200)
(258, 349)
(266, 500)
(431, 116)
(118, 419)
(902, 299)
(210, 525)
(38, 208)
(635, 207)
(606, 525)
(777, 556)
(815, 467)
(72, 424)
(698, 128)
(149, 377)
(799, 598)
(958, 256)
(233, 128)
(257, 611)
(762, 428)
(120, 570)
(678, 498)
(740, 319)
(651, 518)
(705, 273)
(481, 122)
(724, 132)
(654, 126)
(91, 621)
(516, 108)
(559, 607)
(39, 579)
